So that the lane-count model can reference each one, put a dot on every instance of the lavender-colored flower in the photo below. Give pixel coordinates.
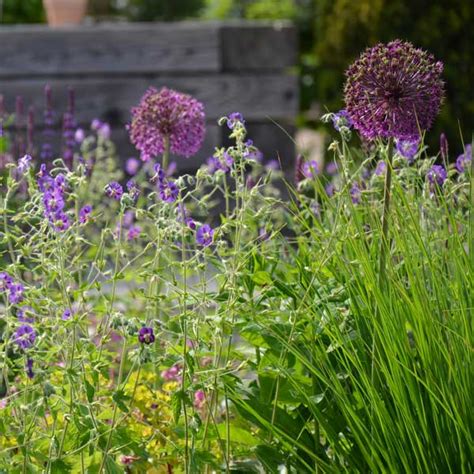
(341, 119)
(133, 189)
(407, 148)
(67, 313)
(5, 281)
(234, 118)
(96, 124)
(355, 193)
(29, 368)
(23, 312)
(53, 200)
(330, 189)
(169, 191)
(437, 175)
(104, 131)
(45, 183)
(15, 293)
(159, 175)
(213, 164)
(393, 90)
(204, 235)
(331, 168)
(463, 161)
(80, 135)
(60, 221)
(167, 115)
(146, 335)
(272, 165)
(132, 166)
(114, 190)
(60, 182)
(85, 214)
(381, 168)
(24, 164)
(172, 374)
(310, 169)
(133, 232)
(25, 336)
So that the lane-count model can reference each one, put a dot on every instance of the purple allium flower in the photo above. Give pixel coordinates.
(24, 164)
(146, 335)
(114, 190)
(407, 148)
(463, 161)
(5, 281)
(22, 314)
(163, 115)
(80, 135)
(132, 166)
(85, 214)
(169, 191)
(29, 368)
(234, 118)
(437, 175)
(310, 169)
(393, 90)
(204, 235)
(60, 221)
(133, 232)
(443, 146)
(355, 193)
(15, 293)
(25, 336)
(381, 168)
(341, 119)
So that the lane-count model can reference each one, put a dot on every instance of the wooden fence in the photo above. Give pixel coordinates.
(230, 66)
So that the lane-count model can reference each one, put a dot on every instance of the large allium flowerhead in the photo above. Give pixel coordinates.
(393, 90)
(171, 114)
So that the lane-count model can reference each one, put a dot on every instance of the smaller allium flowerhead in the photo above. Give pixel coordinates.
(437, 175)
(464, 161)
(167, 114)
(393, 90)
(25, 336)
(146, 335)
(204, 235)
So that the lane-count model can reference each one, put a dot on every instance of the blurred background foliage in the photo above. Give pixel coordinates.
(332, 34)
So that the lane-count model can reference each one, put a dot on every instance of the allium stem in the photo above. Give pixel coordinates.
(166, 153)
(385, 244)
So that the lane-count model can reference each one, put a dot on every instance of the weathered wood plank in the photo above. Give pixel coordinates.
(38, 51)
(252, 46)
(257, 97)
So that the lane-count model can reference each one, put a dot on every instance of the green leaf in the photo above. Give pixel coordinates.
(262, 278)
(90, 391)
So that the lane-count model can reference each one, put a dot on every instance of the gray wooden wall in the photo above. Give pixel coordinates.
(230, 67)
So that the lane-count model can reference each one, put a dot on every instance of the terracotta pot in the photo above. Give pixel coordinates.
(65, 12)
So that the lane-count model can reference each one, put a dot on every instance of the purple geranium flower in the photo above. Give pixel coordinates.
(381, 168)
(169, 191)
(341, 119)
(133, 232)
(167, 115)
(85, 214)
(133, 189)
(234, 118)
(407, 148)
(437, 175)
(15, 293)
(24, 164)
(60, 221)
(393, 90)
(5, 281)
(310, 169)
(67, 313)
(463, 161)
(53, 200)
(146, 335)
(204, 235)
(25, 336)
(114, 190)
(22, 314)
(355, 193)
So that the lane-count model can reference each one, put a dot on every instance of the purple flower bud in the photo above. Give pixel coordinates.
(104, 131)
(132, 166)
(96, 124)
(24, 164)
(67, 313)
(80, 135)
(29, 368)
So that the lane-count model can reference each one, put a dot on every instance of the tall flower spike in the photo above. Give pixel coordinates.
(393, 90)
(163, 115)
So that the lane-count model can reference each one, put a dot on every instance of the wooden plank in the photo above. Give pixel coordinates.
(39, 51)
(257, 97)
(252, 46)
